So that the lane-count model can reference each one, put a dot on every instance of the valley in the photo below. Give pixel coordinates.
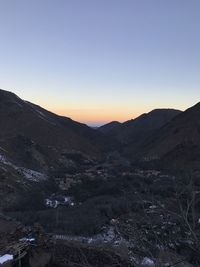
(124, 195)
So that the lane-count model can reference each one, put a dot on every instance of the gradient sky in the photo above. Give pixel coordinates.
(101, 60)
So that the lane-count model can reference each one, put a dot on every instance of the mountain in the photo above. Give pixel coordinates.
(34, 136)
(34, 142)
(176, 144)
(109, 127)
(133, 132)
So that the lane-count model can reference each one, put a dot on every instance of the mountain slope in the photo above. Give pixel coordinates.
(177, 143)
(133, 132)
(37, 138)
(34, 143)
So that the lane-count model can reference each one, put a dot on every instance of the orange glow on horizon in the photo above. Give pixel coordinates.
(95, 116)
(99, 115)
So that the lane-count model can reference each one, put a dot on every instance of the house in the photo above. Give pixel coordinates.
(55, 200)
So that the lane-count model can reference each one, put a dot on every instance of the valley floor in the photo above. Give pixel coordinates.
(132, 217)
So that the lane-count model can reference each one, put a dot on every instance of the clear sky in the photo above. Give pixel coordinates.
(101, 60)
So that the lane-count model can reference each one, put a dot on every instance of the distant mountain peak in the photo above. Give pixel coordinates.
(106, 128)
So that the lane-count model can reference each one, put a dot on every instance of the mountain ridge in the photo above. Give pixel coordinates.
(44, 128)
(135, 131)
(177, 143)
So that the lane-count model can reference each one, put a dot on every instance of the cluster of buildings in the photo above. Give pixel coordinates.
(55, 200)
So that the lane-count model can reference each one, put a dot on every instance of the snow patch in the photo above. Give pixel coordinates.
(4, 160)
(27, 173)
(108, 236)
(5, 258)
(31, 175)
(146, 262)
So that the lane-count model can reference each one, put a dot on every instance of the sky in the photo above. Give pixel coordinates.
(101, 60)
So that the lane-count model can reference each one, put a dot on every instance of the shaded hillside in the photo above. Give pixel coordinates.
(131, 134)
(36, 138)
(177, 143)
(35, 142)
